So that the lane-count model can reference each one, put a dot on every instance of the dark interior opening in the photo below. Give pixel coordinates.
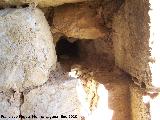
(66, 49)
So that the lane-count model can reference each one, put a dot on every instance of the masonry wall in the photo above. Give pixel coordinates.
(133, 41)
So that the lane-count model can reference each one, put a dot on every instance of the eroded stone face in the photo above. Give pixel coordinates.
(52, 100)
(41, 3)
(131, 40)
(77, 21)
(139, 109)
(9, 106)
(27, 51)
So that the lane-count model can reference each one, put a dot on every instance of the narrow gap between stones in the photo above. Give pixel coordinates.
(66, 49)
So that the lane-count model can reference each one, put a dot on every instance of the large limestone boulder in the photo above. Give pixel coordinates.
(77, 21)
(27, 51)
(136, 41)
(41, 3)
(52, 100)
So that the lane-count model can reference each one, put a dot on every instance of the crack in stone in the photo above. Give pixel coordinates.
(21, 103)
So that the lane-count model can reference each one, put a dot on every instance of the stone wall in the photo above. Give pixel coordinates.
(77, 21)
(134, 42)
(41, 3)
(27, 52)
(108, 32)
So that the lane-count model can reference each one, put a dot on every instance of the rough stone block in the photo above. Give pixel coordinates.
(51, 100)
(139, 109)
(27, 51)
(41, 3)
(78, 21)
(136, 40)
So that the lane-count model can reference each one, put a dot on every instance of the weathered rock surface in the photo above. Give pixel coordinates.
(27, 51)
(77, 21)
(139, 109)
(41, 3)
(136, 43)
(56, 98)
(9, 106)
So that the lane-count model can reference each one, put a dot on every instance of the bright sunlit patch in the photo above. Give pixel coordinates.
(146, 99)
(154, 14)
(154, 67)
(154, 108)
(73, 74)
(82, 96)
(101, 112)
(154, 41)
